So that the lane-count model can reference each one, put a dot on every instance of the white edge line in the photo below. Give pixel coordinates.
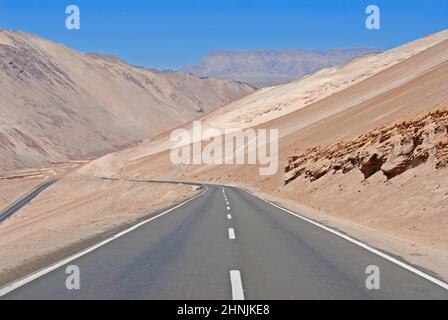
(361, 244)
(231, 234)
(237, 285)
(37, 274)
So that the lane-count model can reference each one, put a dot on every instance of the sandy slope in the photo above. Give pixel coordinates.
(300, 104)
(403, 215)
(58, 104)
(391, 180)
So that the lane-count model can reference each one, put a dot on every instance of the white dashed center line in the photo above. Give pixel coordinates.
(235, 275)
(237, 285)
(231, 234)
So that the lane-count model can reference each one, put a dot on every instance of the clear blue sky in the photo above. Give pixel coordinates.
(171, 33)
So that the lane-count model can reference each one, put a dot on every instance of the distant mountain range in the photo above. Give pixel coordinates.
(264, 67)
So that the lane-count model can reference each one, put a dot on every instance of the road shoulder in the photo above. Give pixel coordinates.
(51, 228)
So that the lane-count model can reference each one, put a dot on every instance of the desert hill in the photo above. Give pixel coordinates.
(358, 95)
(58, 104)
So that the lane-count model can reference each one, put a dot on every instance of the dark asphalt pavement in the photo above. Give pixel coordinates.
(187, 254)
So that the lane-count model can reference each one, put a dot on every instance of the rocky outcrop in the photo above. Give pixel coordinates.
(391, 150)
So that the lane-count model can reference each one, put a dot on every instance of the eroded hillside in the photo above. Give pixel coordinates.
(391, 150)
(57, 104)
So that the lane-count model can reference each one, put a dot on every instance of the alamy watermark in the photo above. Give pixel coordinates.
(373, 278)
(73, 20)
(73, 281)
(373, 20)
(214, 146)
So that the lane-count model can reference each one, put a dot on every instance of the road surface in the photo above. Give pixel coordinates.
(224, 244)
(24, 200)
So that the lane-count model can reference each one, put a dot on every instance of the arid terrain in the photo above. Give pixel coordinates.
(58, 104)
(390, 181)
(343, 106)
(362, 148)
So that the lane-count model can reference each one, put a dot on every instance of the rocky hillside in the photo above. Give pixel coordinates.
(266, 67)
(390, 150)
(58, 104)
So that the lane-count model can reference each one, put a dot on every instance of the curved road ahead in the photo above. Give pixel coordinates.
(25, 199)
(224, 244)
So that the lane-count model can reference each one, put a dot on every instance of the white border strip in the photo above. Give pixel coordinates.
(361, 244)
(33, 276)
(237, 285)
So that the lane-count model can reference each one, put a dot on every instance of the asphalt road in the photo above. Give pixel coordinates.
(24, 200)
(208, 249)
